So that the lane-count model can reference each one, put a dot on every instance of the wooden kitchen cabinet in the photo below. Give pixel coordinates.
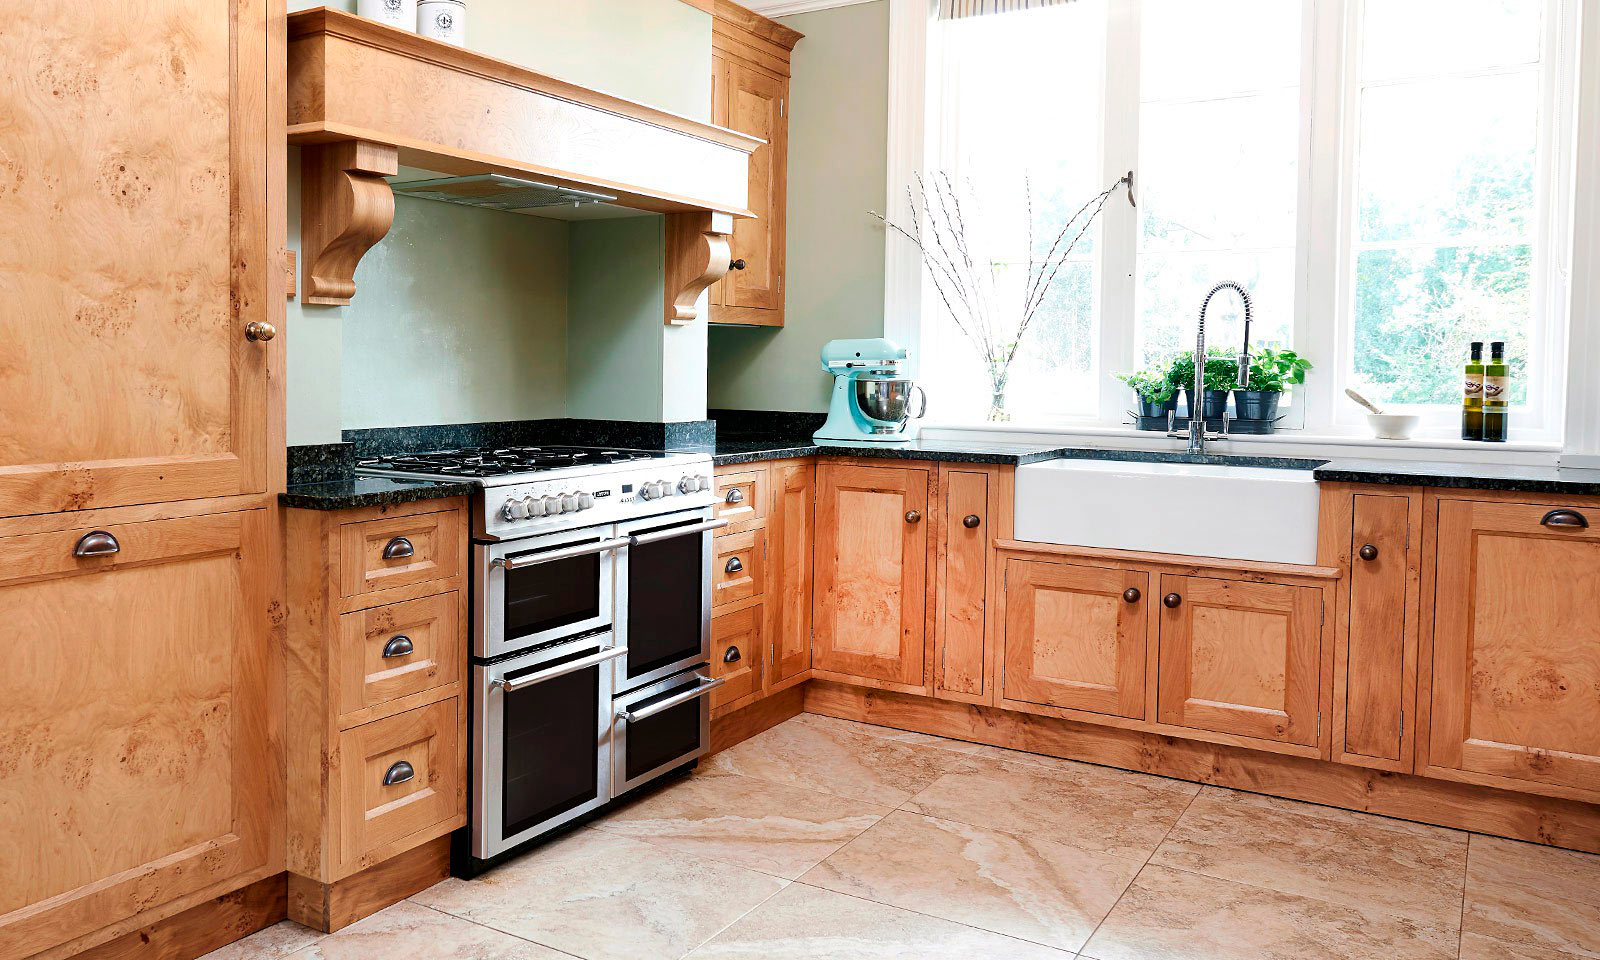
(1514, 686)
(1076, 637)
(750, 94)
(738, 647)
(789, 557)
(976, 511)
(1242, 658)
(871, 557)
(134, 186)
(140, 741)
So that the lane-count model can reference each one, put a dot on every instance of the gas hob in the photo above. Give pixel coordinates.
(531, 490)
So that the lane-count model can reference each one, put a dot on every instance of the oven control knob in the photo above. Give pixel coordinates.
(569, 503)
(688, 485)
(663, 488)
(533, 506)
(648, 491)
(513, 510)
(552, 506)
(704, 482)
(585, 501)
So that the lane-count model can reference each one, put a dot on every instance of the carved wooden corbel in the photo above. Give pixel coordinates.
(346, 207)
(697, 257)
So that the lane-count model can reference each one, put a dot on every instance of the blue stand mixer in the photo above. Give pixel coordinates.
(871, 400)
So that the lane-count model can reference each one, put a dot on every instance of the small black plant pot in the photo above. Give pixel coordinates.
(1215, 405)
(1150, 409)
(1256, 404)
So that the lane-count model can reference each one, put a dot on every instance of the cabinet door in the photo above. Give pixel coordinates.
(755, 104)
(963, 598)
(1516, 643)
(737, 647)
(789, 539)
(872, 546)
(133, 189)
(1075, 637)
(139, 735)
(719, 116)
(1241, 658)
(1381, 632)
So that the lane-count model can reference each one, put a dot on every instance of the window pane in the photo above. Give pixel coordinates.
(1418, 38)
(1219, 168)
(1020, 119)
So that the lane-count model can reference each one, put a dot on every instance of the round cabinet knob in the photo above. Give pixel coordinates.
(738, 264)
(1369, 552)
(257, 331)
(970, 521)
(585, 501)
(1131, 595)
(1171, 601)
(912, 516)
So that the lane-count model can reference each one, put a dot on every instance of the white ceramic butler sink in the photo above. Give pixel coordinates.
(1201, 510)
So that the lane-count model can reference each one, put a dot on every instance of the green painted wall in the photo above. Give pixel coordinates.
(838, 171)
(617, 291)
(462, 314)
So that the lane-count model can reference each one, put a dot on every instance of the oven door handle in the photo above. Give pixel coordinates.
(565, 553)
(607, 653)
(677, 532)
(705, 686)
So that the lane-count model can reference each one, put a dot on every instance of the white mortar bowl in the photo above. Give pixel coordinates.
(1393, 426)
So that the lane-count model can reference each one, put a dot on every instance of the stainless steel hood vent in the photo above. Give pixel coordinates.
(497, 192)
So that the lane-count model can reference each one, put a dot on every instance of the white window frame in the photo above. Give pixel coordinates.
(1567, 187)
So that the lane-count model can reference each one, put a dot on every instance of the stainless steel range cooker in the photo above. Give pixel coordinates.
(591, 621)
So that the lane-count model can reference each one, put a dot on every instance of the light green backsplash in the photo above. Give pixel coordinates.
(614, 310)
(462, 314)
(838, 171)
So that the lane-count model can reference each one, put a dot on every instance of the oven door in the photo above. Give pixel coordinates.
(540, 589)
(660, 727)
(541, 728)
(664, 596)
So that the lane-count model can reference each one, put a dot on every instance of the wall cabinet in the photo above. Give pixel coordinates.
(140, 738)
(750, 94)
(1515, 661)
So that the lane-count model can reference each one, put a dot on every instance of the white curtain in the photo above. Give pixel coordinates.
(955, 9)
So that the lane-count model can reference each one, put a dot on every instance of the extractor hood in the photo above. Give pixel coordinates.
(497, 192)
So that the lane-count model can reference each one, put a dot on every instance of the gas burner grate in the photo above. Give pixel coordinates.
(502, 461)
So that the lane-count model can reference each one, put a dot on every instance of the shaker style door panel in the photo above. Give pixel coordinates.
(139, 737)
(963, 608)
(1241, 658)
(755, 107)
(871, 556)
(133, 253)
(1375, 660)
(789, 540)
(1516, 643)
(1075, 637)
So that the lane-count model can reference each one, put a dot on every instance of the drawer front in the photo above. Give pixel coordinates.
(738, 567)
(396, 551)
(742, 496)
(392, 651)
(738, 648)
(416, 750)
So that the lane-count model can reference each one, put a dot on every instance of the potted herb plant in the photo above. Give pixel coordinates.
(1221, 373)
(1154, 390)
(1271, 372)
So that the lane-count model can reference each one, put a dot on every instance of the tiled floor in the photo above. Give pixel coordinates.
(828, 839)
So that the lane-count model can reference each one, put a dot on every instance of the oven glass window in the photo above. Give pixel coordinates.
(664, 587)
(669, 735)
(549, 761)
(551, 595)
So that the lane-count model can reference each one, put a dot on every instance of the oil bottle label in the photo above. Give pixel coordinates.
(1495, 389)
(1472, 387)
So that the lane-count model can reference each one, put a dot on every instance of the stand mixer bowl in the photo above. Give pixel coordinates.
(888, 401)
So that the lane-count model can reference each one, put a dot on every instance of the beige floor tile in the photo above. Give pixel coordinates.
(1029, 888)
(276, 941)
(607, 897)
(771, 827)
(1170, 915)
(1094, 808)
(1531, 896)
(1355, 859)
(836, 759)
(1475, 947)
(407, 931)
(805, 923)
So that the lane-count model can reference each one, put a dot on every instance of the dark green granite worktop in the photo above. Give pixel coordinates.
(1572, 481)
(735, 450)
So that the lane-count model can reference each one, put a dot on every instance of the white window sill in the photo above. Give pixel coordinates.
(1289, 444)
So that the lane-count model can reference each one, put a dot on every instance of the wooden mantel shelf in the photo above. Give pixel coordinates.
(365, 98)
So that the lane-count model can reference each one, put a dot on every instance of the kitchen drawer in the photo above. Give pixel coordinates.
(391, 651)
(738, 648)
(397, 551)
(738, 570)
(742, 496)
(421, 742)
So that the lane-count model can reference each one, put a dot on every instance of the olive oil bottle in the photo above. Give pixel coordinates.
(1496, 394)
(1472, 395)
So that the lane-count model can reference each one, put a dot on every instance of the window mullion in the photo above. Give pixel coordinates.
(1118, 262)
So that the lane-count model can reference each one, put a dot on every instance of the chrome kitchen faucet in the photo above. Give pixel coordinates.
(1197, 419)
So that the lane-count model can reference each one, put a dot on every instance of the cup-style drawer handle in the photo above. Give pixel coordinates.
(398, 772)
(734, 496)
(1566, 519)
(913, 516)
(97, 543)
(398, 549)
(1368, 552)
(970, 521)
(732, 656)
(1131, 595)
(399, 645)
(735, 565)
(1172, 600)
